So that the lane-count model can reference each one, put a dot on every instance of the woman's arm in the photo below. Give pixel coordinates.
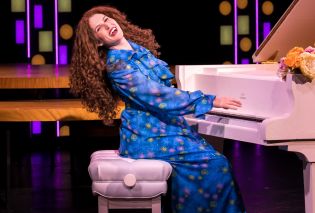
(153, 96)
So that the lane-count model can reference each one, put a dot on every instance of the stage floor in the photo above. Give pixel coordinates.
(50, 175)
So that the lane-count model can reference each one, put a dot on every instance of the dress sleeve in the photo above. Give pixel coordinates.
(153, 96)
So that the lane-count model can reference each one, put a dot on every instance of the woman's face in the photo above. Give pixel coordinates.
(106, 30)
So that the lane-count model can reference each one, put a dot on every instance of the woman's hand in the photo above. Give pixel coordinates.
(226, 103)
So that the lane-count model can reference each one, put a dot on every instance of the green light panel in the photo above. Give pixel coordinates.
(243, 25)
(45, 41)
(64, 5)
(226, 35)
(17, 5)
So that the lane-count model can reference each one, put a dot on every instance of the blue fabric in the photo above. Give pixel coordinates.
(153, 126)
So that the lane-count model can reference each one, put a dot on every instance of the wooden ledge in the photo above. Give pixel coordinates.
(46, 110)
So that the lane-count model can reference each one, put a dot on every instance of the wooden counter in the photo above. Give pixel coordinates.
(24, 76)
(46, 110)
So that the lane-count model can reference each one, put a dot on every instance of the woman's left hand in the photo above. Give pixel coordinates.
(226, 103)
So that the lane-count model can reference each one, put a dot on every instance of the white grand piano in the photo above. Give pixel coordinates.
(274, 112)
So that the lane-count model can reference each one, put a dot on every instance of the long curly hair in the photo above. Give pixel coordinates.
(88, 79)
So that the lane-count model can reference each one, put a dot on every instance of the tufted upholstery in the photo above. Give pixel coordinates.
(117, 180)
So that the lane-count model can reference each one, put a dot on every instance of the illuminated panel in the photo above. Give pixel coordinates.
(56, 33)
(58, 128)
(28, 30)
(65, 130)
(267, 8)
(64, 5)
(256, 23)
(225, 8)
(66, 31)
(19, 32)
(235, 33)
(45, 41)
(245, 61)
(63, 54)
(38, 59)
(38, 16)
(36, 127)
(242, 4)
(243, 25)
(266, 29)
(226, 37)
(245, 44)
(17, 5)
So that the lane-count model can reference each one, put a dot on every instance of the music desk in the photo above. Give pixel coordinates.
(24, 76)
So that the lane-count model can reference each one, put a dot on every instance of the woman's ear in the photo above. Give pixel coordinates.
(99, 42)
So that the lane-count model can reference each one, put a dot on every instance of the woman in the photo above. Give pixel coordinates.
(114, 59)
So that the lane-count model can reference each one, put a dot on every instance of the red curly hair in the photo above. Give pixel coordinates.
(88, 79)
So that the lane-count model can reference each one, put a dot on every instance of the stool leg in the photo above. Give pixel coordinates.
(102, 205)
(156, 205)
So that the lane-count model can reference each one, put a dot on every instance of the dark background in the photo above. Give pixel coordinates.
(188, 31)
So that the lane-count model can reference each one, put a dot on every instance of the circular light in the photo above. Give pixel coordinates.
(64, 131)
(66, 31)
(38, 59)
(245, 44)
(225, 8)
(242, 4)
(267, 8)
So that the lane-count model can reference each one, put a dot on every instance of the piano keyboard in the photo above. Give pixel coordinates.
(239, 113)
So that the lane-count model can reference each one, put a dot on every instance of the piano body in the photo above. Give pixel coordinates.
(274, 112)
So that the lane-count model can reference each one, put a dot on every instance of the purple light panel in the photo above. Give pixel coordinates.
(58, 128)
(36, 127)
(19, 32)
(28, 29)
(28, 71)
(256, 24)
(63, 54)
(56, 32)
(266, 30)
(235, 34)
(245, 61)
(37, 161)
(38, 16)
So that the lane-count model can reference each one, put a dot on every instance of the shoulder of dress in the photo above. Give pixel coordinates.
(119, 65)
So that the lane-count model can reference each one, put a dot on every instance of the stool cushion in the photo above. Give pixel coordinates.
(108, 171)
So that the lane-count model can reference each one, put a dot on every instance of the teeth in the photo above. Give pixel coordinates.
(112, 30)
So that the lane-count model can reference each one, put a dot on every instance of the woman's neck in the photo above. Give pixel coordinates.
(122, 45)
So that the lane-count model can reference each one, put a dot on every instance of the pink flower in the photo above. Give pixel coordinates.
(283, 66)
(309, 49)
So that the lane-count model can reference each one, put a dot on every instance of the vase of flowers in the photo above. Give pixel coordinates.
(298, 61)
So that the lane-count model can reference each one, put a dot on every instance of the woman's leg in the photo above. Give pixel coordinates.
(201, 184)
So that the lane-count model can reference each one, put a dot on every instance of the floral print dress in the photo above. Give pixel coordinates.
(153, 127)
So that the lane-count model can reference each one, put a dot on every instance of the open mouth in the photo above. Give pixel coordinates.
(113, 31)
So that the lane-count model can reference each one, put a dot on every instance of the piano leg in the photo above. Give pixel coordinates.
(309, 178)
(307, 149)
(216, 142)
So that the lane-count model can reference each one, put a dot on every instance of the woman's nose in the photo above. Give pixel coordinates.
(106, 26)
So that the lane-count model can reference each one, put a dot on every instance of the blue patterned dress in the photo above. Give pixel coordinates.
(153, 127)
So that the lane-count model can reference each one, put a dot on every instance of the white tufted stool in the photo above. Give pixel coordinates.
(124, 183)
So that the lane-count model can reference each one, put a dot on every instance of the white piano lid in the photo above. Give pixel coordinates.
(294, 28)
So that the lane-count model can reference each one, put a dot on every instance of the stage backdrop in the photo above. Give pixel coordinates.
(198, 32)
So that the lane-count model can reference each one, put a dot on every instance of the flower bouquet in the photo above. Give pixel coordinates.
(298, 61)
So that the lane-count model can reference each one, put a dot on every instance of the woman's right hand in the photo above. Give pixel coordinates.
(227, 103)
